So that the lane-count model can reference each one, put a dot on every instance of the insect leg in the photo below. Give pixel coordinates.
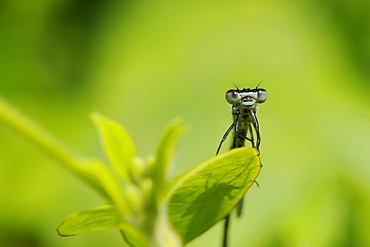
(227, 133)
(257, 129)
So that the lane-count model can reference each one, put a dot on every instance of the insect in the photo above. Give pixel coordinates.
(245, 125)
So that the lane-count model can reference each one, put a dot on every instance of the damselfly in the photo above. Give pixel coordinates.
(245, 125)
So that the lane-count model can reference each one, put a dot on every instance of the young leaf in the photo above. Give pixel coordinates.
(117, 144)
(97, 219)
(98, 176)
(164, 157)
(207, 193)
(111, 185)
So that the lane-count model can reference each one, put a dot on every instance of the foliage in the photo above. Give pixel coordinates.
(148, 208)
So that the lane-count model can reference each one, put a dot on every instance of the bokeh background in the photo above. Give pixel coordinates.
(144, 63)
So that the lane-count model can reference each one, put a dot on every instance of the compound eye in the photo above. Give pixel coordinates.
(261, 95)
(233, 96)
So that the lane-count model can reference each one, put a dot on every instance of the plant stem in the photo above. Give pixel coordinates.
(34, 133)
(226, 230)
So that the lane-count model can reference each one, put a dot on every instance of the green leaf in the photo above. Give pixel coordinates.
(94, 174)
(117, 144)
(207, 193)
(164, 157)
(111, 185)
(100, 218)
(96, 219)
(134, 237)
(167, 146)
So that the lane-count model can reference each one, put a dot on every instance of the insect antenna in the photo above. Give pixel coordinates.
(259, 84)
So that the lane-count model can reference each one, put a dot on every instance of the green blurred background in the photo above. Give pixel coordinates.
(145, 62)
